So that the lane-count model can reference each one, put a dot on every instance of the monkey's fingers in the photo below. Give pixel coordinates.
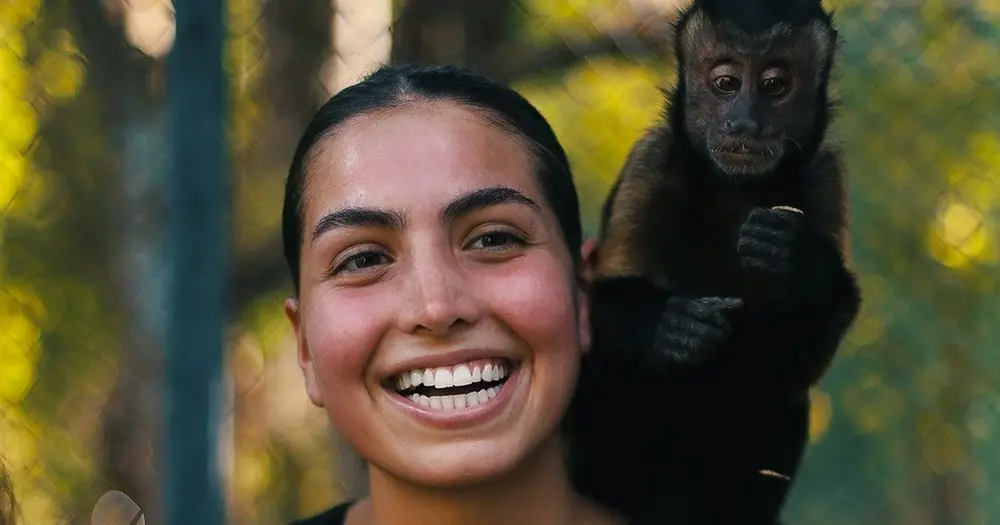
(693, 331)
(752, 232)
(771, 265)
(705, 321)
(686, 348)
(707, 305)
(765, 256)
(765, 244)
(776, 217)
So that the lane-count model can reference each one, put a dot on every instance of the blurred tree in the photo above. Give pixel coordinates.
(125, 88)
(284, 94)
(277, 52)
(470, 34)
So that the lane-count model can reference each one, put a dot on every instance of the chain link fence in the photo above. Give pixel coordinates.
(906, 426)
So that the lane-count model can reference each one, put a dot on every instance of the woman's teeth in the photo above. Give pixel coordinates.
(449, 388)
(461, 375)
(456, 401)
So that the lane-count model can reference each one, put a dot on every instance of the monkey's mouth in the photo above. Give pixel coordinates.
(747, 151)
(746, 158)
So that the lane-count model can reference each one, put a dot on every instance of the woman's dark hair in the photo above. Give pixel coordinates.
(396, 86)
(8, 505)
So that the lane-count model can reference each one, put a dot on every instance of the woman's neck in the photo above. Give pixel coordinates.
(537, 493)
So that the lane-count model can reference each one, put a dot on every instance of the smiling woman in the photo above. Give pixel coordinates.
(432, 231)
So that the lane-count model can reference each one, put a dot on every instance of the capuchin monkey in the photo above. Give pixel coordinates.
(721, 287)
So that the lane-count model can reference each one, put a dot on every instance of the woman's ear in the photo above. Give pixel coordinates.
(588, 260)
(302, 354)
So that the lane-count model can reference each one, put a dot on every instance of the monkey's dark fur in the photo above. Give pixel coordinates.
(713, 312)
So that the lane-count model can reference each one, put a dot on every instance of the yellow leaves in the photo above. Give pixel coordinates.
(990, 8)
(243, 55)
(574, 18)
(964, 231)
(316, 489)
(255, 471)
(598, 110)
(13, 74)
(960, 235)
(19, 440)
(18, 126)
(873, 405)
(820, 414)
(17, 13)
(58, 74)
(866, 330)
(19, 339)
(13, 169)
(943, 449)
(60, 70)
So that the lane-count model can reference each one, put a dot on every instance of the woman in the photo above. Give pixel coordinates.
(432, 230)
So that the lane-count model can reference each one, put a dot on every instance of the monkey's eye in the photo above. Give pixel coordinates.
(774, 86)
(727, 84)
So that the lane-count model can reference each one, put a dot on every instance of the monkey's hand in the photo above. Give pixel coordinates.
(767, 240)
(690, 328)
(642, 327)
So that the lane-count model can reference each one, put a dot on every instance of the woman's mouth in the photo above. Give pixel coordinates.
(461, 386)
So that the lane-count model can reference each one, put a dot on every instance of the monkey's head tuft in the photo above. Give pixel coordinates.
(752, 94)
(757, 16)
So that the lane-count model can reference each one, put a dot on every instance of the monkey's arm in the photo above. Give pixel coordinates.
(828, 297)
(827, 302)
(793, 338)
(638, 318)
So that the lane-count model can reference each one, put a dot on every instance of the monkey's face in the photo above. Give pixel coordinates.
(752, 100)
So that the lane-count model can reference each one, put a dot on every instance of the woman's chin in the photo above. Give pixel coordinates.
(457, 466)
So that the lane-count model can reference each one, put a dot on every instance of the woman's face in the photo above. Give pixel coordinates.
(439, 321)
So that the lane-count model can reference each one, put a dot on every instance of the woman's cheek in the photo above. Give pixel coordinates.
(344, 331)
(536, 301)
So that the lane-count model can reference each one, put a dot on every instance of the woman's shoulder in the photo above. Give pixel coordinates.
(335, 516)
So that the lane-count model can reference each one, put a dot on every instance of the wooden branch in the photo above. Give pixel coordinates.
(650, 38)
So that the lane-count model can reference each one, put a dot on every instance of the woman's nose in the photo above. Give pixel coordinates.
(438, 296)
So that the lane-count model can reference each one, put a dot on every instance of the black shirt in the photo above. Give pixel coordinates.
(334, 516)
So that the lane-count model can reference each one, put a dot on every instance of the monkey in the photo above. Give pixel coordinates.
(721, 284)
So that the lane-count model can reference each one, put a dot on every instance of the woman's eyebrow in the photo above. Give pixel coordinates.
(358, 218)
(484, 198)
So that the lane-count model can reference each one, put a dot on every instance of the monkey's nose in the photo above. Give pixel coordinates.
(741, 126)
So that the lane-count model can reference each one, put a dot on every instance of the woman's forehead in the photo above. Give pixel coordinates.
(416, 154)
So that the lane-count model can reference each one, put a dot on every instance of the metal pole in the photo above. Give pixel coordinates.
(198, 240)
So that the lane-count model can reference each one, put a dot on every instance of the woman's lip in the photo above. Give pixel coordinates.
(450, 360)
(460, 417)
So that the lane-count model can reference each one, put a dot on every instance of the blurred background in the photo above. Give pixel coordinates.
(906, 426)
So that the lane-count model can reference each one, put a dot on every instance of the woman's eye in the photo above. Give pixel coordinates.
(362, 261)
(496, 241)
